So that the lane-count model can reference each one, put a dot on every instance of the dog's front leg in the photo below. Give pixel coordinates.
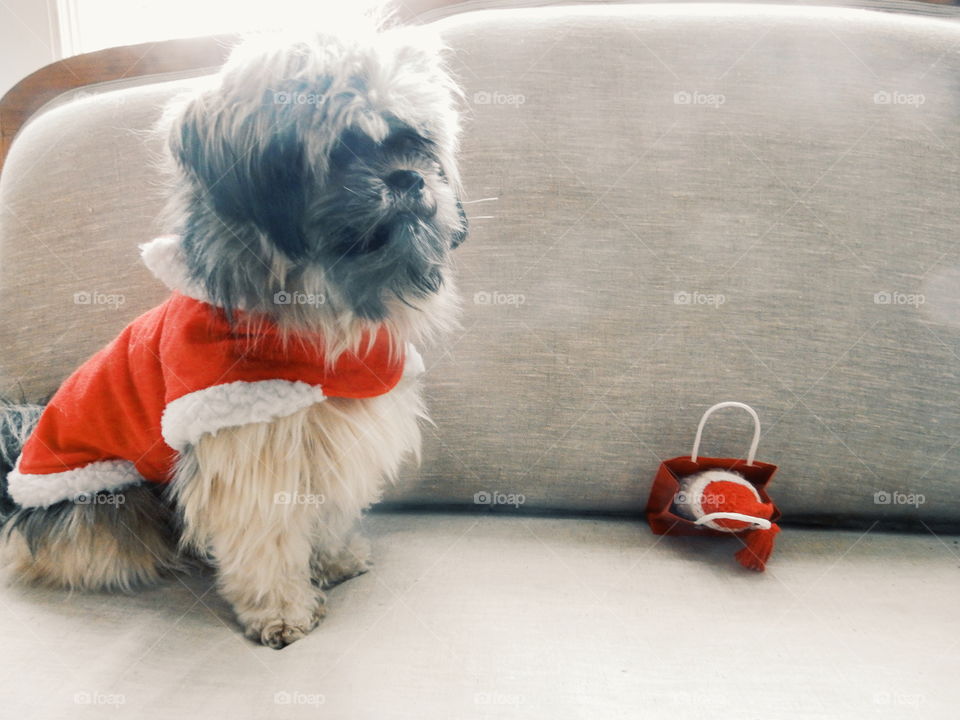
(236, 492)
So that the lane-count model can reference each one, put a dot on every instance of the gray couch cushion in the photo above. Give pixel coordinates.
(799, 162)
(479, 617)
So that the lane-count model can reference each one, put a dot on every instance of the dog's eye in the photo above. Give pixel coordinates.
(353, 147)
(405, 141)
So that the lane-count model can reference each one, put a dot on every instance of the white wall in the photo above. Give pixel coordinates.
(28, 39)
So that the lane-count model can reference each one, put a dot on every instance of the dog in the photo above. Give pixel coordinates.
(252, 418)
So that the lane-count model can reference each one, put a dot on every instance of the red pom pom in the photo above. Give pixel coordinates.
(759, 547)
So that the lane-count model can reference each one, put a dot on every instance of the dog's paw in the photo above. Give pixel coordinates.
(278, 632)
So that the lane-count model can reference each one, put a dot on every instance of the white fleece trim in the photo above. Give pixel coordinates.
(163, 257)
(44, 490)
(212, 409)
(413, 363)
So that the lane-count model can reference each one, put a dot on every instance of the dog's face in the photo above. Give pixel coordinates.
(386, 215)
(323, 166)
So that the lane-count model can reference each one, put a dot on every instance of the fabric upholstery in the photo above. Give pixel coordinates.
(475, 617)
(694, 203)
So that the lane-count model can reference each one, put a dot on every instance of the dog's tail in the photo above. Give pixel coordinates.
(17, 421)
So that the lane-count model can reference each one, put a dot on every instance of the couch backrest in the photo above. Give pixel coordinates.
(693, 203)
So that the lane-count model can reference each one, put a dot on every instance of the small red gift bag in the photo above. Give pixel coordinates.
(670, 510)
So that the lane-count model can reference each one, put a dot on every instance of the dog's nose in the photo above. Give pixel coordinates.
(405, 181)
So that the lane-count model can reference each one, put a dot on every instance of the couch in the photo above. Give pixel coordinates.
(672, 205)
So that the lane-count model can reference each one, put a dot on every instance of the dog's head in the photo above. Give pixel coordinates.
(323, 168)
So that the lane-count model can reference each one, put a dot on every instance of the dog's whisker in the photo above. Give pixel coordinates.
(473, 202)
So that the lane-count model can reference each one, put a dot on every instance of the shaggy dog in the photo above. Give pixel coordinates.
(253, 416)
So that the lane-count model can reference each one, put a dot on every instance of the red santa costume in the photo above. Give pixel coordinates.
(177, 372)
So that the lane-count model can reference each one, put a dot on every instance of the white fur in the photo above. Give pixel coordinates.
(274, 504)
(28, 490)
(212, 409)
(413, 365)
(163, 257)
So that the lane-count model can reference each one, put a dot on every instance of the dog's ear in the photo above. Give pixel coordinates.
(250, 162)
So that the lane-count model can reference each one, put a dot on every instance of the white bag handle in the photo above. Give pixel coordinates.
(756, 429)
(759, 523)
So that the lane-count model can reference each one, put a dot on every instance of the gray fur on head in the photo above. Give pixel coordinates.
(324, 168)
